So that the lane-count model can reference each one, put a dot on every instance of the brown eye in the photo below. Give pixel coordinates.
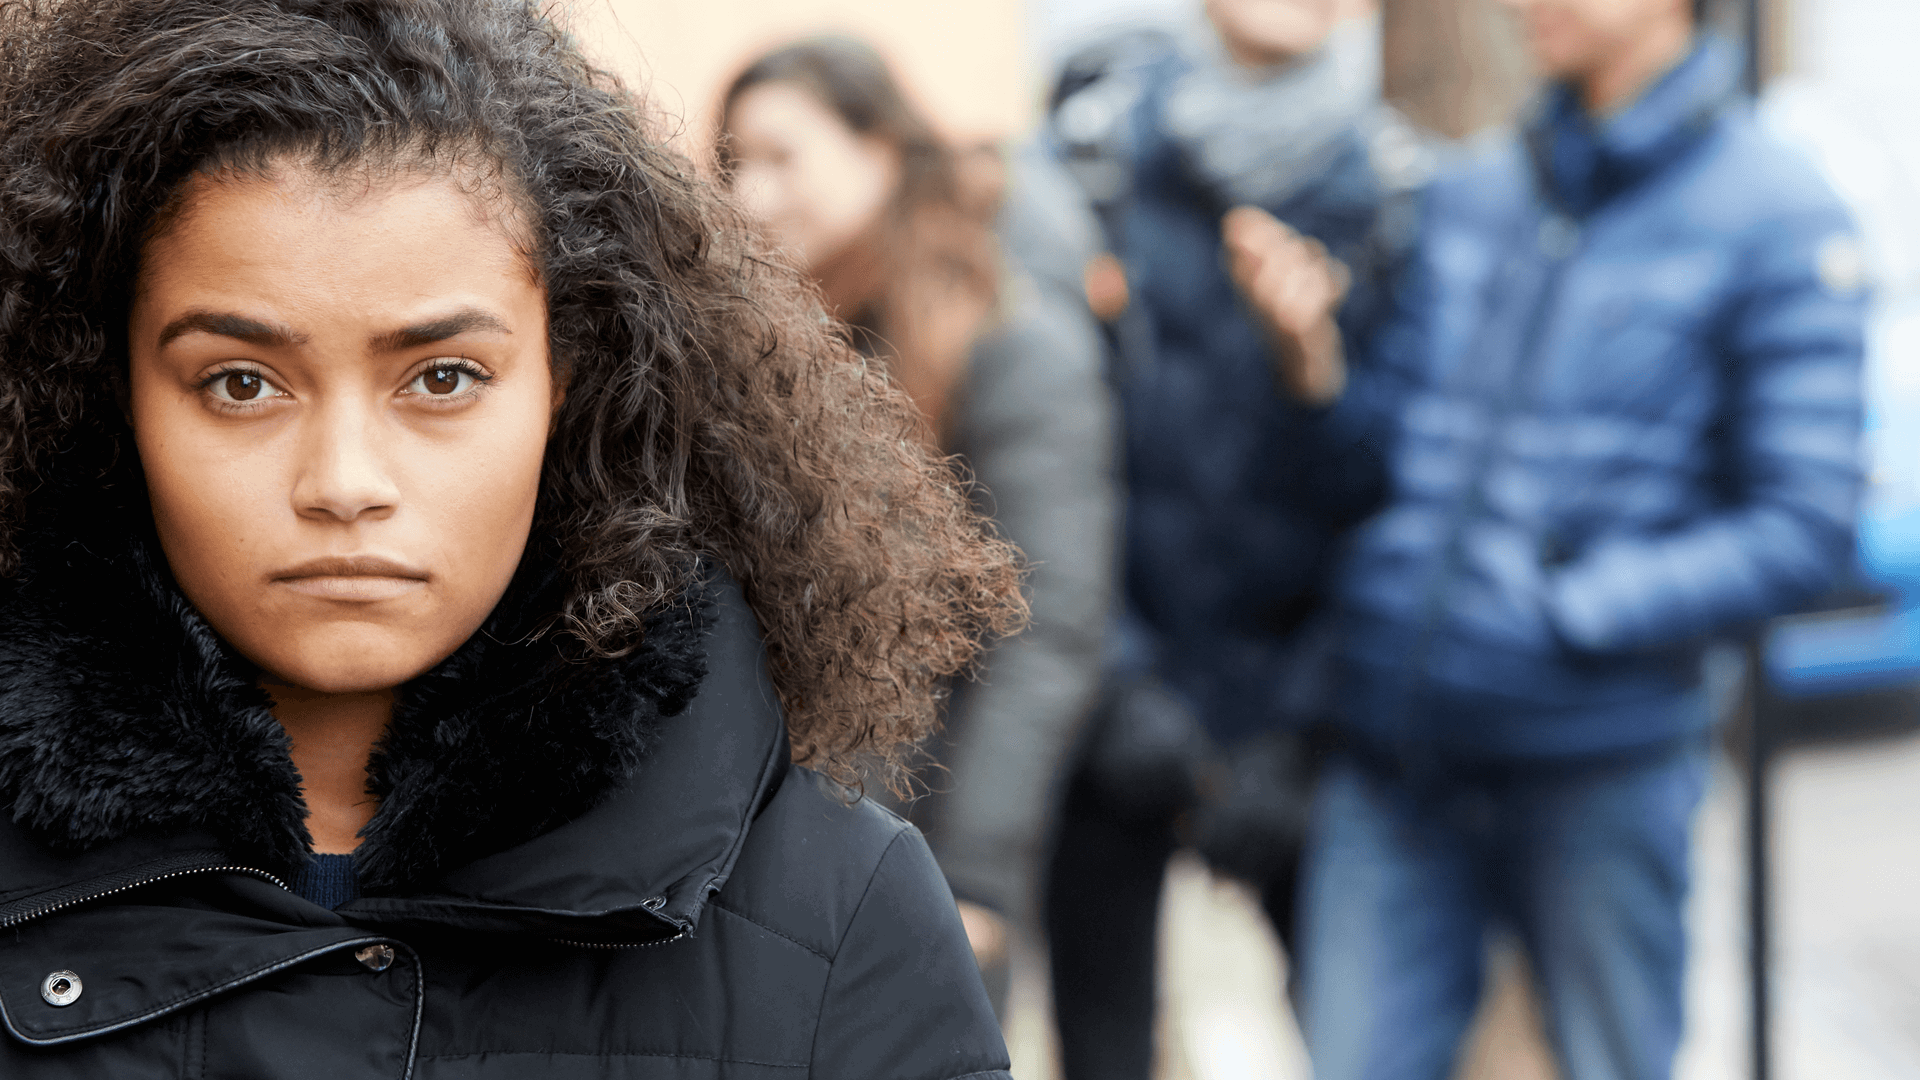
(442, 381)
(242, 386)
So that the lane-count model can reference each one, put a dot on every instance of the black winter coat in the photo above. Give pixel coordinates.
(604, 870)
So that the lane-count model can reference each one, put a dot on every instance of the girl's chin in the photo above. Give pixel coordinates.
(347, 667)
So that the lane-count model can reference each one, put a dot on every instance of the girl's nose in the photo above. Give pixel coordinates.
(343, 474)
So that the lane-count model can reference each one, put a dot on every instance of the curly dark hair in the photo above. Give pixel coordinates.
(713, 412)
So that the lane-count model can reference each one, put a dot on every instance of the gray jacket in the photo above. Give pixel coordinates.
(1035, 424)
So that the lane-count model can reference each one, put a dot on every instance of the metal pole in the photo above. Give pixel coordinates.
(1760, 747)
(1759, 735)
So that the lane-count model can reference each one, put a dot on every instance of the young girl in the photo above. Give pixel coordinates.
(446, 570)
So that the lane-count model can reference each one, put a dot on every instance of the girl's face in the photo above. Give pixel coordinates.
(812, 180)
(341, 396)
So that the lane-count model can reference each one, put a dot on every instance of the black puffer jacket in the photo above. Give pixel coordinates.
(576, 871)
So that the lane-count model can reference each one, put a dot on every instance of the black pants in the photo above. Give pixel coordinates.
(1102, 913)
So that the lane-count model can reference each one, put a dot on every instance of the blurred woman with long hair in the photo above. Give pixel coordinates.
(908, 238)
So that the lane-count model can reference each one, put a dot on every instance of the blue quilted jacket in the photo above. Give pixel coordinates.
(1619, 401)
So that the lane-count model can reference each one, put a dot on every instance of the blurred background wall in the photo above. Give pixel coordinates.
(980, 67)
(968, 63)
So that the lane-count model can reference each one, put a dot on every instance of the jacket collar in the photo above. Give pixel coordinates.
(1581, 161)
(514, 785)
(641, 864)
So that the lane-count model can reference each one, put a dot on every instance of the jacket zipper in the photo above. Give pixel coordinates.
(38, 913)
(1526, 368)
(419, 997)
(26, 917)
(652, 906)
(618, 945)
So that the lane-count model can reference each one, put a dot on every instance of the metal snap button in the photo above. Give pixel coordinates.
(376, 957)
(61, 988)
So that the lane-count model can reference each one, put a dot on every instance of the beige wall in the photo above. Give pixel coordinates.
(965, 60)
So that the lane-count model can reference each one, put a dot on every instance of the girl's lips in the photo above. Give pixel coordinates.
(354, 588)
(360, 579)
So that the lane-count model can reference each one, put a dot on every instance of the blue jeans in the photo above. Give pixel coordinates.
(1586, 862)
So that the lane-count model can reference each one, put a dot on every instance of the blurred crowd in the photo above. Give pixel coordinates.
(1381, 493)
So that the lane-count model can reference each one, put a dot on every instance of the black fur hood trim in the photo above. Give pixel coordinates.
(123, 713)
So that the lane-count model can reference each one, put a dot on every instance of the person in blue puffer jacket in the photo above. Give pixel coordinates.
(1219, 656)
(1619, 402)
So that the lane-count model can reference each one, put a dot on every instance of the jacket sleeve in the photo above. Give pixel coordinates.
(1793, 343)
(904, 999)
(1037, 431)
(1343, 469)
(1341, 465)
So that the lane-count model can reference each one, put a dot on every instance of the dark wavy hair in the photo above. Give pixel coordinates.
(713, 412)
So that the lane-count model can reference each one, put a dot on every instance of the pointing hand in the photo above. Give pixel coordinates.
(1294, 288)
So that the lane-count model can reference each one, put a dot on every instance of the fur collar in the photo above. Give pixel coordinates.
(123, 713)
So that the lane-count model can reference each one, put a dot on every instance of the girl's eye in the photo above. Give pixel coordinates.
(241, 387)
(445, 381)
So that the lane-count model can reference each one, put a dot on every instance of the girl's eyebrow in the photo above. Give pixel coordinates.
(465, 320)
(228, 324)
(279, 335)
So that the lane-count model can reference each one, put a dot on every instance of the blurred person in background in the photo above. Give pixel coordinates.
(1235, 503)
(1005, 362)
(1619, 396)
